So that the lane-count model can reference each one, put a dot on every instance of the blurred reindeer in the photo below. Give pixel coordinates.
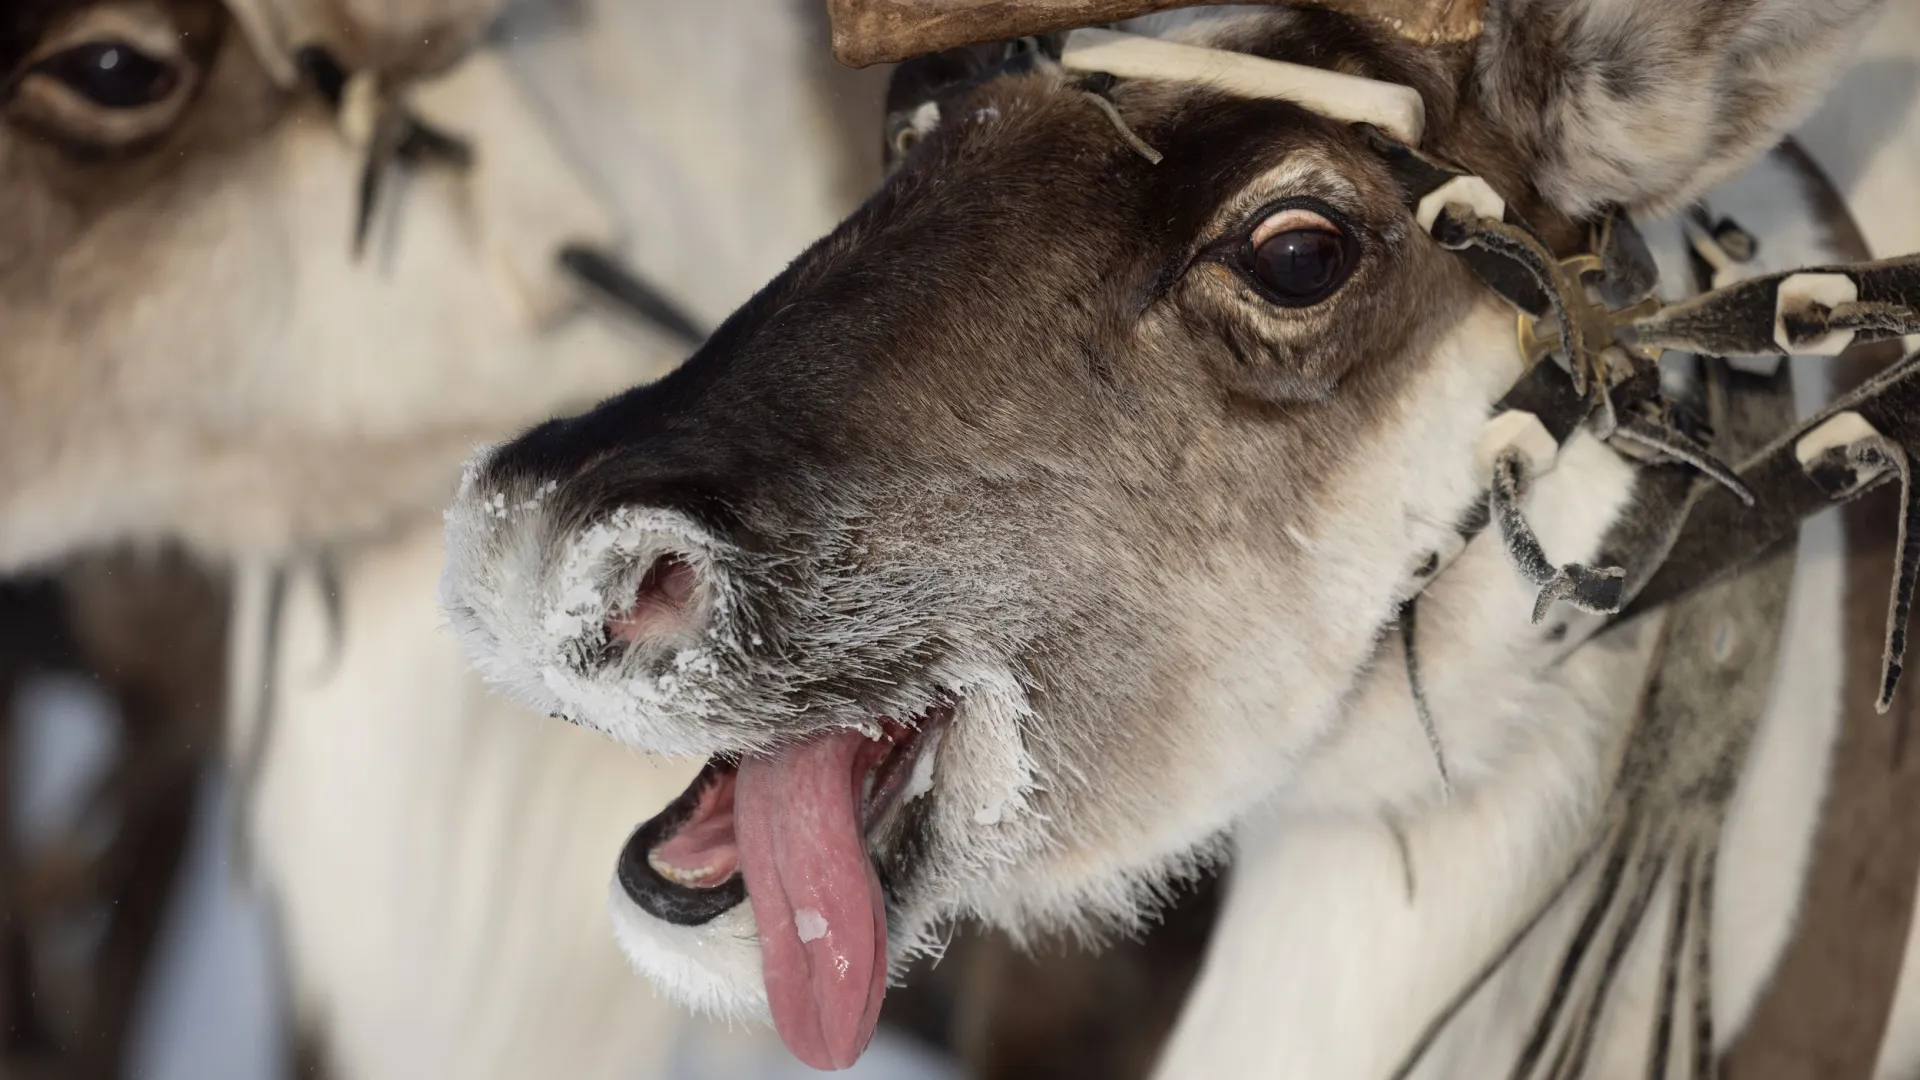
(268, 271)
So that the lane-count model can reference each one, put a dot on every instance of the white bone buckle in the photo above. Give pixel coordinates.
(1765, 366)
(1519, 430)
(1470, 190)
(1393, 108)
(1838, 432)
(1796, 294)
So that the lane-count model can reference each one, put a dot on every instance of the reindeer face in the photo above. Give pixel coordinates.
(1044, 518)
(193, 348)
(1009, 544)
(187, 330)
(100, 101)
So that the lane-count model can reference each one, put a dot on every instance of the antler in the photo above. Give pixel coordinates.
(879, 31)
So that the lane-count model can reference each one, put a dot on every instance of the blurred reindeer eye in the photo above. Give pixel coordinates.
(114, 81)
(111, 74)
(1299, 256)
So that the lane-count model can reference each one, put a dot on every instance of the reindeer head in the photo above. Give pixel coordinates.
(1046, 517)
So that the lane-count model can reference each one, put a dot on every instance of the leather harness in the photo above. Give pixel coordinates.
(1705, 540)
(1708, 542)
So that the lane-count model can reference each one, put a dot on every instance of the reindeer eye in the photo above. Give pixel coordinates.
(114, 82)
(111, 74)
(1299, 256)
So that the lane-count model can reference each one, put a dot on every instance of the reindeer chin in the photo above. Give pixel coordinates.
(712, 968)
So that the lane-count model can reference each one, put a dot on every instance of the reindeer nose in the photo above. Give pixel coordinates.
(662, 602)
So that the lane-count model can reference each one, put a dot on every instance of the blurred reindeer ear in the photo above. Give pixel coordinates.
(1647, 103)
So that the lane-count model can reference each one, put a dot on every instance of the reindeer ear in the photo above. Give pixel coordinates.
(1647, 103)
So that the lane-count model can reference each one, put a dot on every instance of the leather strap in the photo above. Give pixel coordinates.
(1723, 534)
(1816, 310)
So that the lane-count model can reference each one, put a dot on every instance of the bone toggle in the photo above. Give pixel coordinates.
(1519, 430)
(1828, 454)
(1469, 191)
(1800, 293)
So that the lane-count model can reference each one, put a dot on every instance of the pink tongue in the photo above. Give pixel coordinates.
(823, 925)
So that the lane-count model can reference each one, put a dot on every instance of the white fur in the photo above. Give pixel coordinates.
(1322, 960)
(527, 605)
(713, 968)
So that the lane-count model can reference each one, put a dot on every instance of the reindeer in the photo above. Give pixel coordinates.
(269, 269)
(1062, 518)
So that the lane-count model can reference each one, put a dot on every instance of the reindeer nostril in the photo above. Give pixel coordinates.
(659, 602)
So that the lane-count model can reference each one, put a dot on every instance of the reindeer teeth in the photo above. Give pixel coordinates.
(693, 877)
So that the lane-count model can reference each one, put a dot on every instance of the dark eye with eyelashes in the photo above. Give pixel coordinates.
(111, 74)
(1299, 255)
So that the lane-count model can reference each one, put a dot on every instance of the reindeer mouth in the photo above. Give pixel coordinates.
(803, 834)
